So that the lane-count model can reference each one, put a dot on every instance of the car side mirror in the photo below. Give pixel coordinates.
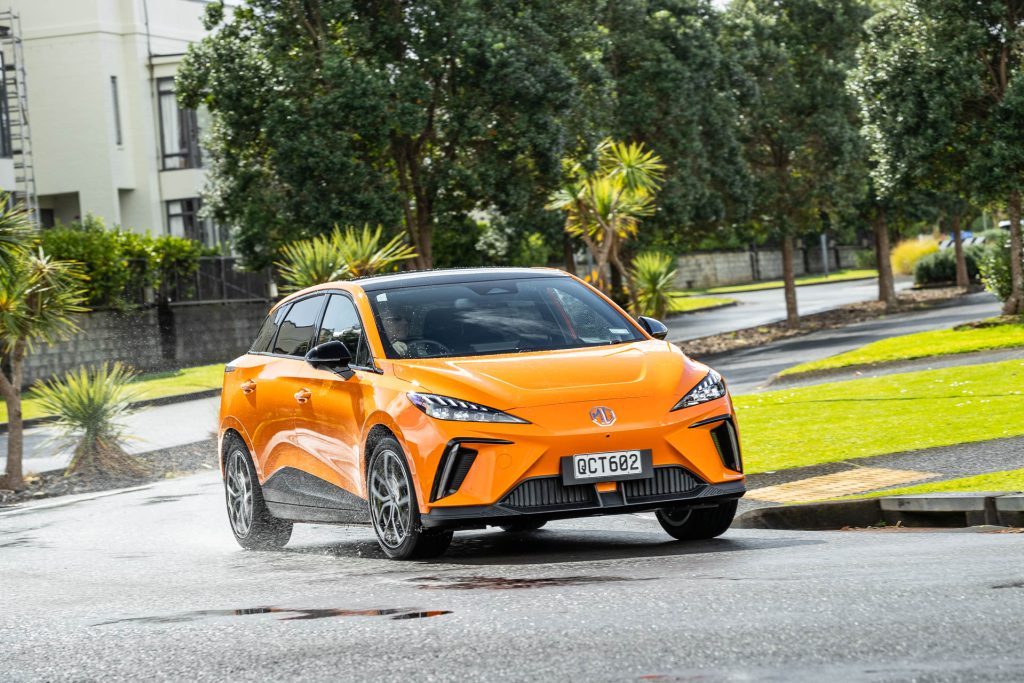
(655, 328)
(332, 355)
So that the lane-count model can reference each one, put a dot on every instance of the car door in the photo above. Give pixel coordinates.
(328, 423)
(281, 383)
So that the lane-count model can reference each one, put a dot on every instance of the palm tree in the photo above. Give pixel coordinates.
(38, 299)
(89, 404)
(604, 206)
(340, 255)
(654, 283)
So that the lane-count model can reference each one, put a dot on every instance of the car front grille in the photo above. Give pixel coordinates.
(666, 481)
(549, 493)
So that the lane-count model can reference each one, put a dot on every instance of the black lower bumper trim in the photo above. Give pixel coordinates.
(496, 515)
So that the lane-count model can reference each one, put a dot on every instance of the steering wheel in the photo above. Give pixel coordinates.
(427, 348)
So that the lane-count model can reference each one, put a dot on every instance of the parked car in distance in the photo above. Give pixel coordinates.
(461, 399)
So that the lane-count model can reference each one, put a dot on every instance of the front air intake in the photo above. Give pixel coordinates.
(548, 493)
(727, 445)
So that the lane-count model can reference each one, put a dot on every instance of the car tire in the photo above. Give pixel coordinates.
(394, 510)
(251, 522)
(692, 524)
(522, 527)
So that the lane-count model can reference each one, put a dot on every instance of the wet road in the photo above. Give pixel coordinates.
(769, 306)
(149, 584)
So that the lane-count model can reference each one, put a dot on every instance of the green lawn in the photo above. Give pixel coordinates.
(921, 345)
(838, 276)
(1007, 480)
(687, 304)
(859, 418)
(156, 385)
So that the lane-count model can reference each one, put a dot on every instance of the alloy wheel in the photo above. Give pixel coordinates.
(390, 499)
(239, 493)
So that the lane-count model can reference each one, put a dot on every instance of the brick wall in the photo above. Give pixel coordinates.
(193, 335)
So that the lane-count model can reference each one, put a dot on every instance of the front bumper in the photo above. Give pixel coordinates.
(545, 498)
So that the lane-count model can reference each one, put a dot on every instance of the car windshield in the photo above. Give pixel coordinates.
(496, 316)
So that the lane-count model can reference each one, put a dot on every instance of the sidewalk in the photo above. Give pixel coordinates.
(153, 428)
(879, 472)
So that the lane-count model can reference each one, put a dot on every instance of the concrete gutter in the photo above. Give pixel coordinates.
(1001, 508)
(144, 403)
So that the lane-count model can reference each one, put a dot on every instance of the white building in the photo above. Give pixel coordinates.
(107, 136)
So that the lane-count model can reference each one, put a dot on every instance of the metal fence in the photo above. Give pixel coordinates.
(217, 279)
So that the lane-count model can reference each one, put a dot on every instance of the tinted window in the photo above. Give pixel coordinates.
(341, 323)
(500, 316)
(266, 333)
(296, 335)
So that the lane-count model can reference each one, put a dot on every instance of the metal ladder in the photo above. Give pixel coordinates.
(15, 109)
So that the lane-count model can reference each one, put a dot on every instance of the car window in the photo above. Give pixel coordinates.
(491, 317)
(341, 323)
(296, 334)
(267, 331)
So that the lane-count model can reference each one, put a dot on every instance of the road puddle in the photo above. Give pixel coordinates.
(288, 614)
(501, 583)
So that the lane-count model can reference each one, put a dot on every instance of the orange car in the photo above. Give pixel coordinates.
(470, 398)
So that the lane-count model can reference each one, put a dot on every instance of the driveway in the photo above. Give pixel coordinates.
(148, 584)
(769, 306)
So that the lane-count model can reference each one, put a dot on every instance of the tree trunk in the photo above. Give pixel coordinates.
(886, 288)
(1015, 304)
(567, 253)
(11, 390)
(792, 314)
(962, 279)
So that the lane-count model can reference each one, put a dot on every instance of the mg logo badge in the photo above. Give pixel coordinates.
(602, 416)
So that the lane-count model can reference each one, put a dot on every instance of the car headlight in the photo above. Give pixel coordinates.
(448, 408)
(708, 389)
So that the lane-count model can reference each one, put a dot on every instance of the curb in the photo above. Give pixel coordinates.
(951, 510)
(144, 403)
(809, 284)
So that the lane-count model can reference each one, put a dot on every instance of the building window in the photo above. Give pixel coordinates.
(183, 220)
(117, 111)
(179, 130)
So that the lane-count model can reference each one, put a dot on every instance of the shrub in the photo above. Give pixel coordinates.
(89, 405)
(995, 266)
(339, 255)
(939, 267)
(905, 255)
(532, 251)
(118, 263)
(654, 283)
(865, 259)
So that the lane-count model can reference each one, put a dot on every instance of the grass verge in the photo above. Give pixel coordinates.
(997, 334)
(838, 276)
(688, 304)
(879, 415)
(1007, 480)
(149, 386)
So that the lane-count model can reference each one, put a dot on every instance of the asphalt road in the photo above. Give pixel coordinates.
(750, 369)
(769, 306)
(149, 585)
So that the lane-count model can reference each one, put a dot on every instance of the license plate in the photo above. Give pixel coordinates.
(611, 466)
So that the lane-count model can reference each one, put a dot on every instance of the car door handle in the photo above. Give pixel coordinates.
(248, 386)
(302, 395)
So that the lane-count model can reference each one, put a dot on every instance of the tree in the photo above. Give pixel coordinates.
(943, 95)
(38, 299)
(340, 255)
(674, 89)
(604, 205)
(798, 123)
(394, 113)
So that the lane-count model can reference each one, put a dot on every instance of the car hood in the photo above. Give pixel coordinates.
(506, 382)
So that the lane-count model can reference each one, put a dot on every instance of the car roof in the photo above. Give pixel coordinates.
(448, 276)
(422, 278)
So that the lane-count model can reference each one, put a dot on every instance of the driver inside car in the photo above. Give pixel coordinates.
(396, 323)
